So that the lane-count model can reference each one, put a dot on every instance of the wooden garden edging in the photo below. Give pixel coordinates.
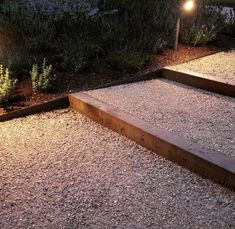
(184, 152)
(199, 81)
(43, 107)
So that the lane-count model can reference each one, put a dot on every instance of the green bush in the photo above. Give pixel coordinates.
(72, 57)
(42, 78)
(134, 23)
(131, 29)
(7, 84)
(74, 46)
(126, 60)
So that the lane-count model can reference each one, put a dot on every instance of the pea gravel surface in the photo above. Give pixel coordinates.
(61, 170)
(202, 117)
(219, 66)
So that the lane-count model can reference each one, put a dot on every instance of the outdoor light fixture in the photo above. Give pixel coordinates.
(188, 6)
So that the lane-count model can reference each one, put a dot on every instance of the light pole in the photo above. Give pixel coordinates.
(187, 7)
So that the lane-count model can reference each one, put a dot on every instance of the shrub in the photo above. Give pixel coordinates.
(131, 29)
(74, 51)
(136, 23)
(42, 78)
(126, 60)
(7, 84)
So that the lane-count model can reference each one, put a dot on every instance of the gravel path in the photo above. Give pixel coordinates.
(217, 66)
(61, 170)
(203, 117)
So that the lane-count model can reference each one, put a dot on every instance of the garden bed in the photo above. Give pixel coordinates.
(84, 175)
(99, 76)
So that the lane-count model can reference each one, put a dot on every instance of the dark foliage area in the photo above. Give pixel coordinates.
(72, 35)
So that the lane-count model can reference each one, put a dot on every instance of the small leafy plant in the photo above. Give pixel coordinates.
(42, 77)
(7, 84)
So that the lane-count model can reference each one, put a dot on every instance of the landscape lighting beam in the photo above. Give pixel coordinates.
(188, 6)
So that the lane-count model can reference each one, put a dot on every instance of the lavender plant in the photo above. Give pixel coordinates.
(7, 84)
(42, 77)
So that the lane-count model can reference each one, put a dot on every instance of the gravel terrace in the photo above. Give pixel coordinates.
(203, 117)
(217, 66)
(61, 170)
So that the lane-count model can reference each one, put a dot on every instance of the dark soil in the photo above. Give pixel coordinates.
(99, 75)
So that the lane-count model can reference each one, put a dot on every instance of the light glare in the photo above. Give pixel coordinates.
(189, 5)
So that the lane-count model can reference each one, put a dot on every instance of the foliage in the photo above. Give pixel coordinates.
(76, 42)
(19, 62)
(205, 26)
(131, 29)
(7, 84)
(126, 60)
(55, 28)
(42, 78)
(134, 23)
(198, 35)
(30, 31)
(73, 33)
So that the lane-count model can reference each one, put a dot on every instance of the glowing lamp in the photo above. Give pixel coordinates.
(189, 5)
